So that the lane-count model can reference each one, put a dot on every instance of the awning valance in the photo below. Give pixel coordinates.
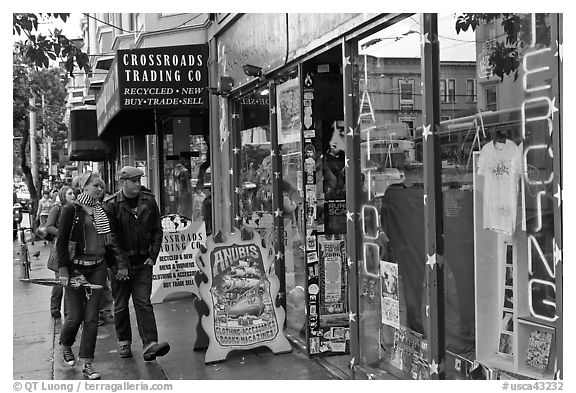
(83, 141)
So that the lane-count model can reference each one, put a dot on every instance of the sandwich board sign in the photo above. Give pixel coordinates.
(176, 264)
(240, 293)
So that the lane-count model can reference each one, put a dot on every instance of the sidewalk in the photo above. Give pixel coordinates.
(37, 353)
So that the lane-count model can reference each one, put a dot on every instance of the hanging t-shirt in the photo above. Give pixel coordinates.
(501, 166)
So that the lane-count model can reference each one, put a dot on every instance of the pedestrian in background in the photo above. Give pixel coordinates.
(207, 208)
(65, 196)
(135, 216)
(44, 206)
(85, 223)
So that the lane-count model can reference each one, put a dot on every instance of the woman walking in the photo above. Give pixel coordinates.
(65, 196)
(85, 224)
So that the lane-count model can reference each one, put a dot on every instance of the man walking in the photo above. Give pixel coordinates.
(135, 217)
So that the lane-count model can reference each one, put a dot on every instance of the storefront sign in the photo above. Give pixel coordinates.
(240, 295)
(154, 78)
(176, 265)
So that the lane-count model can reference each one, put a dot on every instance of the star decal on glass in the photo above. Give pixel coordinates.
(279, 255)
(557, 253)
(237, 218)
(351, 316)
(350, 262)
(426, 132)
(280, 295)
(560, 50)
(277, 175)
(273, 110)
(272, 153)
(235, 116)
(346, 159)
(351, 132)
(347, 61)
(424, 39)
(237, 190)
(278, 212)
(431, 261)
(349, 216)
(231, 171)
(236, 150)
(558, 195)
(434, 367)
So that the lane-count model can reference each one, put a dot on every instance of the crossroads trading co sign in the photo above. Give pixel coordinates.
(154, 78)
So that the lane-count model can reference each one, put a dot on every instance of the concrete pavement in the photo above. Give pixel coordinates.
(37, 354)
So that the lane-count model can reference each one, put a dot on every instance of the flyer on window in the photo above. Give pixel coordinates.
(389, 294)
(288, 111)
(332, 275)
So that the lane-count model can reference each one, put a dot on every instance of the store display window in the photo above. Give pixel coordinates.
(499, 188)
(252, 153)
(386, 82)
(186, 169)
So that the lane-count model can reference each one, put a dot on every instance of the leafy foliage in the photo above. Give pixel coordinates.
(39, 49)
(44, 82)
(505, 56)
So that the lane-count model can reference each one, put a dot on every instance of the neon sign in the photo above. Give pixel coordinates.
(541, 240)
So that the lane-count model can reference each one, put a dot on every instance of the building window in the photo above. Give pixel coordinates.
(491, 99)
(443, 90)
(451, 90)
(406, 91)
(470, 90)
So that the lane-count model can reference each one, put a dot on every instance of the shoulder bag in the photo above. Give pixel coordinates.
(52, 263)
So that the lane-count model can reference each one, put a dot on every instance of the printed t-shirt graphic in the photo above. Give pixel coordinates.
(501, 165)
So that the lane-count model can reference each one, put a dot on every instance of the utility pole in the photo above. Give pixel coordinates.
(33, 156)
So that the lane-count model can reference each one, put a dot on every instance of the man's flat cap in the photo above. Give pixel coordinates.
(129, 172)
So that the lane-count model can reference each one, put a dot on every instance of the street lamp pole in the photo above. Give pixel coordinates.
(33, 155)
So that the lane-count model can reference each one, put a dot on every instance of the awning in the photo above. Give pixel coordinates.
(141, 81)
(83, 141)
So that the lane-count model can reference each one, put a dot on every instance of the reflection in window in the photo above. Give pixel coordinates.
(255, 178)
(491, 99)
(452, 90)
(471, 90)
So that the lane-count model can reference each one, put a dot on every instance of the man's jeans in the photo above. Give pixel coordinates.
(139, 286)
(83, 309)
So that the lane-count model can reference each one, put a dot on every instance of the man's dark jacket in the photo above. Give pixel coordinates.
(137, 236)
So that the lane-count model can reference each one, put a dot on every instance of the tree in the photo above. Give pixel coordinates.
(31, 59)
(28, 81)
(39, 49)
(505, 56)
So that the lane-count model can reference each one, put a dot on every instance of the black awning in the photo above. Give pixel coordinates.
(141, 81)
(83, 141)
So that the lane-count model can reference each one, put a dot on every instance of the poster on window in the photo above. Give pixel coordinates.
(288, 111)
(389, 294)
(240, 294)
(176, 264)
(332, 275)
